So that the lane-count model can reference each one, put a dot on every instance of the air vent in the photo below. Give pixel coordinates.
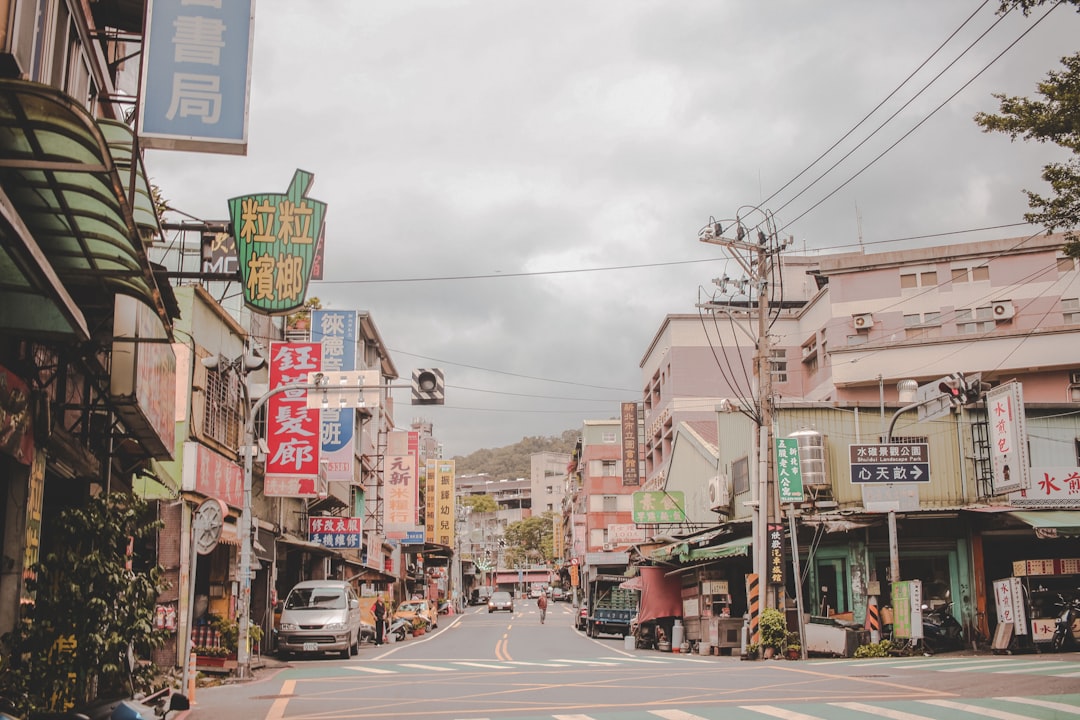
(862, 321)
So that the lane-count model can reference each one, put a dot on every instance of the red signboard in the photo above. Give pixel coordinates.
(292, 429)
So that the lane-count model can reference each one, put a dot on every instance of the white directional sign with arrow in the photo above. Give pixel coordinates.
(890, 463)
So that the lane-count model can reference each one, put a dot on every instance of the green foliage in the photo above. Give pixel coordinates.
(480, 503)
(874, 650)
(772, 629)
(531, 539)
(513, 461)
(1055, 119)
(72, 644)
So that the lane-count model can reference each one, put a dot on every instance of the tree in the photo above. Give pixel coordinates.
(90, 609)
(480, 503)
(531, 539)
(1056, 119)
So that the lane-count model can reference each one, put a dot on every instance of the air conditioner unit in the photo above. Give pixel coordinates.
(1004, 310)
(862, 321)
(608, 547)
(719, 492)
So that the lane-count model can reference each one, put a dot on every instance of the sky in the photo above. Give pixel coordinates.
(515, 189)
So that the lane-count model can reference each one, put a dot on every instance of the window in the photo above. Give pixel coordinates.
(611, 503)
(608, 438)
(974, 274)
(1070, 310)
(778, 365)
(222, 421)
(925, 278)
(740, 475)
(609, 468)
(980, 320)
(858, 339)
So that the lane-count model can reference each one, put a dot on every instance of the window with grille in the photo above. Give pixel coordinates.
(978, 321)
(778, 365)
(224, 421)
(1070, 310)
(740, 475)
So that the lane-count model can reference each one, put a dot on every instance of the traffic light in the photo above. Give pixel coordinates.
(954, 387)
(428, 387)
(975, 389)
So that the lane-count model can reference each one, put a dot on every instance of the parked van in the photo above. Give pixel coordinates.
(320, 616)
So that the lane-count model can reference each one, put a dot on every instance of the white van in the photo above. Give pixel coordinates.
(320, 616)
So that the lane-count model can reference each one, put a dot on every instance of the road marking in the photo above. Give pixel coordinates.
(982, 665)
(374, 670)
(1059, 707)
(586, 662)
(675, 715)
(277, 710)
(480, 665)
(874, 710)
(1048, 664)
(573, 717)
(779, 712)
(636, 659)
(538, 664)
(418, 666)
(977, 710)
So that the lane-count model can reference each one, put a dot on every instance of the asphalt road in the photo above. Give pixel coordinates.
(501, 665)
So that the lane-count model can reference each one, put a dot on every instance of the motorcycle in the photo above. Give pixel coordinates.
(144, 708)
(941, 631)
(399, 628)
(1067, 625)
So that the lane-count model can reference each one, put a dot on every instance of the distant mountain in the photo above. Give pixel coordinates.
(512, 461)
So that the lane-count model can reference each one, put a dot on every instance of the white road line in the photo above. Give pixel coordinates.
(1047, 664)
(1059, 707)
(573, 717)
(418, 666)
(883, 712)
(636, 659)
(585, 662)
(675, 715)
(976, 710)
(779, 712)
(536, 664)
(982, 665)
(481, 665)
(375, 670)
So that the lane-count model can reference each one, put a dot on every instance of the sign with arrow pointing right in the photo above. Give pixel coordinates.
(890, 463)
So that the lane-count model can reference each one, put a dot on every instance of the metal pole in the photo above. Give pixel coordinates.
(193, 562)
(798, 579)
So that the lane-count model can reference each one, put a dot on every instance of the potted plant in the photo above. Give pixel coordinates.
(773, 632)
(752, 651)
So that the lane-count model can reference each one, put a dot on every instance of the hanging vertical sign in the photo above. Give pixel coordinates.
(630, 470)
(1008, 438)
(444, 502)
(196, 74)
(276, 235)
(292, 429)
(400, 480)
(789, 470)
(336, 331)
(775, 553)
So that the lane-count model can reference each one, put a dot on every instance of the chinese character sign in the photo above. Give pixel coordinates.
(196, 75)
(1008, 438)
(336, 331)
(336, 532)
(399, 501)
(1051, 488)
(444, 501)
(275, 244)
(292, 429)
(789, 470)
(775, 553)
(630, 455)
(659, 507)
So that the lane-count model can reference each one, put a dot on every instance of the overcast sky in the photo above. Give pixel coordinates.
(515, 189)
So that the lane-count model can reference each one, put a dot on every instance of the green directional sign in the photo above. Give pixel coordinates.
(789, 470)
(276, 238)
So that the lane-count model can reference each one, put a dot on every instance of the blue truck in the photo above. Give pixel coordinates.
(611, 608)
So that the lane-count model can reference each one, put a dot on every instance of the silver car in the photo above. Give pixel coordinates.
(320, 616)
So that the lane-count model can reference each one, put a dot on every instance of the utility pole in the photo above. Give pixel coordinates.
(757, 260)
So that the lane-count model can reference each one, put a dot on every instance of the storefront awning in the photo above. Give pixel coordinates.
(1051, 523)
(740, 547)
(306, 545)
(71, 238)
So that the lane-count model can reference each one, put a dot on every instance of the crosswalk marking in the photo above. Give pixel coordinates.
(675, 715)
(536, 664)
(418, 666)
(778, 712)
(374, 670)
(586, 662)
(491, 666)
(976, 710)
(883, 712)
(1050, 705)
(637, 660)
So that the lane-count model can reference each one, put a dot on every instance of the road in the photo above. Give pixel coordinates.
(479, 665)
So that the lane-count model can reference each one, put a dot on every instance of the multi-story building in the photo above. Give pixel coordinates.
(548, 481)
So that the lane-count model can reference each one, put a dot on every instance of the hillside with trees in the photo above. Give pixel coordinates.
(512, 461)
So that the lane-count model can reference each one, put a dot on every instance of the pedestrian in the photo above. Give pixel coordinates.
(541, 602)
(379, 610)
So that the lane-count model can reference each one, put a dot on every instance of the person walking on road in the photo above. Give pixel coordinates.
(541, 602)
(379, 610)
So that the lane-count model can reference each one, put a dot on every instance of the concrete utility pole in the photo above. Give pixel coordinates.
(757, 260)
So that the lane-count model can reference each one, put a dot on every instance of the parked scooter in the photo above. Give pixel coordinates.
(941, 631)
(146, 708)
(399, 628)
(1067, 626)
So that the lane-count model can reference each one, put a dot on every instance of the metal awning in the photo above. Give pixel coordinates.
(1051, 523)
(306, 545)
(71, 239)
(739, 547)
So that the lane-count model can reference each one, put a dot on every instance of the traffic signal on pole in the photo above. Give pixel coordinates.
(954, 388)
(975, 389)
(428, 387)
